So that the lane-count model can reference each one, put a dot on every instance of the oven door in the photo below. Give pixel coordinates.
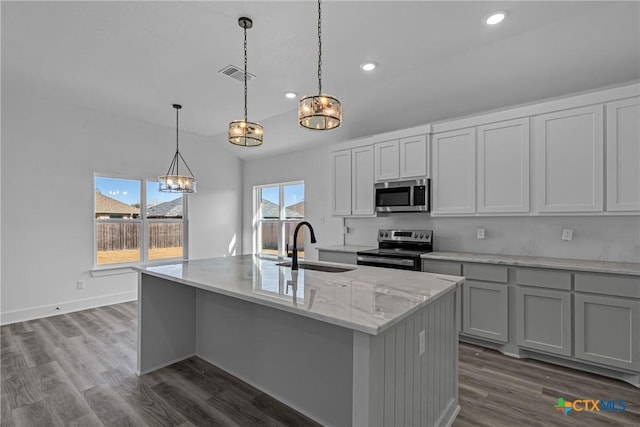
(389, 262)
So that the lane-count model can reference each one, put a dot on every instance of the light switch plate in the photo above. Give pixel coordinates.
(480, 233)
(567, 234)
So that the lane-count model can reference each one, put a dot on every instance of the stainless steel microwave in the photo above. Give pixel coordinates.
(403, 196)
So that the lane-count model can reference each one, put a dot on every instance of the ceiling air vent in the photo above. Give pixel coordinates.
(236, 73)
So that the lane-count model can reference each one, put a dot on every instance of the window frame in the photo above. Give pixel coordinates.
(281, 221)
(143, 222)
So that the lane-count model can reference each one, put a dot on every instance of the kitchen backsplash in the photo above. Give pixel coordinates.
(614, 238)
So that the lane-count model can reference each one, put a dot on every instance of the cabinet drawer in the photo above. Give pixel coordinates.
(487, 273)
(622, 286)
(442, 267)
(544, 278)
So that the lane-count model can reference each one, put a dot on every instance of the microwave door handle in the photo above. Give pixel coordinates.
(411, 199)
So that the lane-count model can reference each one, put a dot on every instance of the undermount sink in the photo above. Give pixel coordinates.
(318, 267)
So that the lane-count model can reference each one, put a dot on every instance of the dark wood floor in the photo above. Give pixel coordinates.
(78, 370)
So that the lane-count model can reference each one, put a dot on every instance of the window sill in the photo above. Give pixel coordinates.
(111, 271)
(126, 269)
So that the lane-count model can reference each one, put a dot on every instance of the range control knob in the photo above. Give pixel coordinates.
(381, 234)
(415, 235)
(386, 234)
(421, 236)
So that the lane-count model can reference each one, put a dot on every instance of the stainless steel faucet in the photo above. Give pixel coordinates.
(294, 261)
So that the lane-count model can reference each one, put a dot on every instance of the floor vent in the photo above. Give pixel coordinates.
(236, 73)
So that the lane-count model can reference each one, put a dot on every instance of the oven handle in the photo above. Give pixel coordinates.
(385, 260)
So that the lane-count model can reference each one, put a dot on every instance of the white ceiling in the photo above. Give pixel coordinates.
(437, 60)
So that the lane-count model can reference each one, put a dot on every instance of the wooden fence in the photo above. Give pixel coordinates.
(124, 236)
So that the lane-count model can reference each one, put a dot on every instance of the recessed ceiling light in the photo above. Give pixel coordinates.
(496, 18)
(290, 95)
(369, 66)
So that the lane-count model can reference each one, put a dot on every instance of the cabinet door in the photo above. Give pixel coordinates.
(503, 167)
(607, 330)
(569, 146)
(623, 155)
(485, 310)
(454, 172)
(544, 320)
(387, 162)
(341, 183)
(362, 193)
(413, 157)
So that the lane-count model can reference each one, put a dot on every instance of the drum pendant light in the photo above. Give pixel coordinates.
(173, 182)
(244, 132)
(321, 111)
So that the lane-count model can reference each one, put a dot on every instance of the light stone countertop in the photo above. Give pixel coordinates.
(345, 248)
(630, 268)
(365, 299)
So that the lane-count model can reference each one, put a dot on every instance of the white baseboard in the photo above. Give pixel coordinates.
(9, 317)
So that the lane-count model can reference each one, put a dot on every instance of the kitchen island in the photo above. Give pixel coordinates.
(364, 347)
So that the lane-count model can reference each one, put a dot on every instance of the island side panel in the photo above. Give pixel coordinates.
(304, 363)
(401, 386)
(166, 322)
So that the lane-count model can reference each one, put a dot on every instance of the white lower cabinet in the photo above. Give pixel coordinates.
(544, 320)
(607, 330)
(485, 310)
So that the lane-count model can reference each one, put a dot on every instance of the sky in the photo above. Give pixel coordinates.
(128, 191)
(292, 194)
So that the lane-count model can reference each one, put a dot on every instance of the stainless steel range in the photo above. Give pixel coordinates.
(398, 249)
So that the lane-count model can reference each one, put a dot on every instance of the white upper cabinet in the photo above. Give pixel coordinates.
(569, 146)
(623, 155)
(503, 167)
(414, 159)
(387, 160)
(352, 182)
(362, 192)
(341, 183)
(401, 158)
(454, 172)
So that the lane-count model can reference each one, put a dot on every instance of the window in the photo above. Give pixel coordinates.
(279, 207)
(134, 222)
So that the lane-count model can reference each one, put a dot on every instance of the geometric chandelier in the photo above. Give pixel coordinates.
(244, 132)
(321, 111)
(173, 182)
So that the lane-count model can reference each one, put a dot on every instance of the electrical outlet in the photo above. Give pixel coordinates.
(567, 234)
(80, 284)
(480, 233)
(346, 230)
(421, 338)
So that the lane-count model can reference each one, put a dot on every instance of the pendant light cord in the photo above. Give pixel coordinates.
(245, 79)
(177, 143)
(319, 48)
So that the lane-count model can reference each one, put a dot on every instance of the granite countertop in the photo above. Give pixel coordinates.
(365, 299)
(345, 248)
(630, 268)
